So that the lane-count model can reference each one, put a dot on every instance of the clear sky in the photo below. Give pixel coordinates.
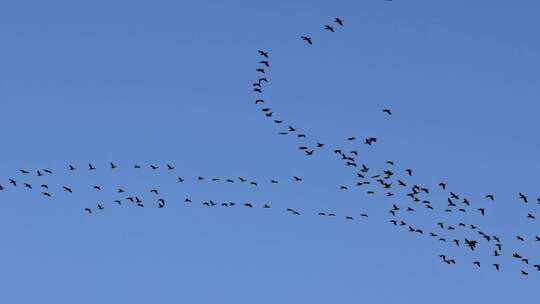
(157, 82)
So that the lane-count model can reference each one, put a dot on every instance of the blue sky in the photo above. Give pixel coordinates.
(157, 82)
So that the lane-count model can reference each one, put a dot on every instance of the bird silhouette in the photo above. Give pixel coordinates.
(307, 39)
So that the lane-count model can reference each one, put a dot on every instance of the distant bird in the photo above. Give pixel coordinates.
(490, 197)
(307, 39)
(409, 172)
(482, 211)
(387, 111)
(496, 266)
(169, 167)
(71, 168)
(297, 179)
(338, 21)
(523, 197)
(67, 189)
(248, 205)
(329, 28)
(99, 206)
(88, 210)
(91, 167)
(443, 186)
(263, 53)
(266, 63)
(46, 194)
(113, 166)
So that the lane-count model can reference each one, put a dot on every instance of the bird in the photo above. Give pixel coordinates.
(307, 39)
(24, 171)
(442, 185)
(71, 168)
(161, 203)
(482, 211)
(496, 266)
(67, 189)
(338, 21)
(266, 63)
(329, 28)
(46, 194)
(266, 206)
(248, 205)
(297, 179)
(99, 206)
(523, 197)
(409, 171)
(91, 167)
(88, 210)
(263, 53)
(490, 197)
(113, 166)
(387, 111)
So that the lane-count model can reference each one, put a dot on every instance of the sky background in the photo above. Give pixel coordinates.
(156, 82)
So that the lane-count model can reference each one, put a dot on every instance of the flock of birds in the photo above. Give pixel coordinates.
(393, 183)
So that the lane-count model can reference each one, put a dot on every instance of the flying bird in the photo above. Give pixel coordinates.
(307, 39)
